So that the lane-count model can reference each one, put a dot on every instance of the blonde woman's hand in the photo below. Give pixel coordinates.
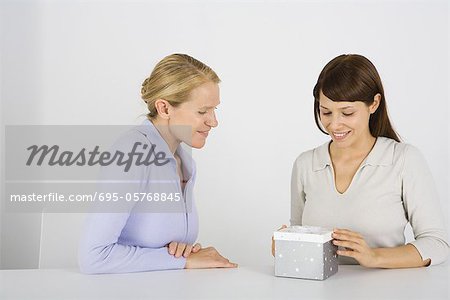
(273, 241)
(208, 258)
(181, 249)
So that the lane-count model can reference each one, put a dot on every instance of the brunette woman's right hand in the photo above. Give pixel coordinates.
(273, 241)
(208, 258)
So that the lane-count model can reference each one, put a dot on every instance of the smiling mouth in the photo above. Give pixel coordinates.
(204, 133)
(340, 135)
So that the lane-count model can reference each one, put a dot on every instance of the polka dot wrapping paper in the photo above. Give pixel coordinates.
(305, 252)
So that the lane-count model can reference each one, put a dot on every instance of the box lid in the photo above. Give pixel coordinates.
(304, 234)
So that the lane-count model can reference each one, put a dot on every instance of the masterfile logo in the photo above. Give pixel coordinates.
(92, 168)
(53, 156)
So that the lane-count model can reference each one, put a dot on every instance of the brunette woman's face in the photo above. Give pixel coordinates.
(347, 123)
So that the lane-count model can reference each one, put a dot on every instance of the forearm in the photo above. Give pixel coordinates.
(405, 256)
(117, 258)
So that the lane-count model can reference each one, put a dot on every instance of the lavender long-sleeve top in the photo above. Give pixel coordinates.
(135, 239)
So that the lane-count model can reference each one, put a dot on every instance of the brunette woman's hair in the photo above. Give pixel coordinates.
(352, 77)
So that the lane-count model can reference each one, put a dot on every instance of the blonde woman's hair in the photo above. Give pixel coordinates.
(173, 78)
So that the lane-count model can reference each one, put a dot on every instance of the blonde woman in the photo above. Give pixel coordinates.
(181, 95)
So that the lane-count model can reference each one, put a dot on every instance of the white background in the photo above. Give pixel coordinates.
(82, 62)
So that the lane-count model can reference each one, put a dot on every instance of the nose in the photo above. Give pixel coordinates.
(335, 121)
(212, 120)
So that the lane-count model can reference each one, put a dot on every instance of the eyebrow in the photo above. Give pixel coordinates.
(345, 107)
(207, 107)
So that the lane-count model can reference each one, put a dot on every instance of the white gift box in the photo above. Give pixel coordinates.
(305, 252)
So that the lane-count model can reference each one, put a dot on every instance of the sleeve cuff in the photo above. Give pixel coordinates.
(435, 250)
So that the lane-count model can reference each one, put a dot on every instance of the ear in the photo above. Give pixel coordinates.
(376, 102)
(162, 107)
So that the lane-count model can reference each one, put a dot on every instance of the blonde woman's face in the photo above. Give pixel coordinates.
(196, 115)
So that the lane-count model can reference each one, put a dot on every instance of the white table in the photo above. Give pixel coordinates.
(245, 282)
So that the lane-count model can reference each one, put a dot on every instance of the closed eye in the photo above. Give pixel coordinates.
(345, 114)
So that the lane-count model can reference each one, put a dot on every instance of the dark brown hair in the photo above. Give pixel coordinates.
(352, 77)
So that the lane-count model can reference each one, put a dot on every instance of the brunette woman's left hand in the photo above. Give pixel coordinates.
(355, 246)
